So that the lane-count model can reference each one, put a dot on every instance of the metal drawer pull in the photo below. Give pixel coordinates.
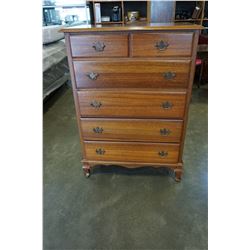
(100, 151)
(167, 105)
(96, 104)
(99, 46)
(165, 131)
(161, 45)
(98, 130)
(169, 75)
(162, 154)
(92, 75)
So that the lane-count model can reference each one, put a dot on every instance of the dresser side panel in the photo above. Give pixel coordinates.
(189, 91)
(72, 74)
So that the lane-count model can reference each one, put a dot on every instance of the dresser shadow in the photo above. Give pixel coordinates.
(143, 171)
(200, 95)
(50, 100)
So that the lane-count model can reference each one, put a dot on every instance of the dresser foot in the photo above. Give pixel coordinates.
(86, 170)
(178, 174)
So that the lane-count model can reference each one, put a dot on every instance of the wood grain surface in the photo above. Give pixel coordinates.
(115, 45)
(131, 103)
(150, 130)
(136, 152)
(178, 44)
(132, 73)
(133, 27)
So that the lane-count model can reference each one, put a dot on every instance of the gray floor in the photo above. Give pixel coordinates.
(118, 208)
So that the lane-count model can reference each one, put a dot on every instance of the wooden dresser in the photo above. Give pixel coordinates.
(132, 87)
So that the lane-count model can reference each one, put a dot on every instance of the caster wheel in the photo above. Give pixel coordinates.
(87, 175)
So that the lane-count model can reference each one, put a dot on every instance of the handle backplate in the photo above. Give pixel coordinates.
(161, 45)
(169, 75)
(92, 75)
(100, 151)
(165, 131)
(96, 104)
(98, 130)
(162, 154)
(99, 46)
(167, 105)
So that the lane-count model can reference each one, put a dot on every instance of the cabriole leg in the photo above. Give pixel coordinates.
(86, 169)
(178, 174)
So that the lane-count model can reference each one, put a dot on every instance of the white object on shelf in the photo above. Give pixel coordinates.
(98, 18)
(52, 34)
(105, 19)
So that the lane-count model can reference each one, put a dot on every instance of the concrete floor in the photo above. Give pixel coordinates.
(118, 208)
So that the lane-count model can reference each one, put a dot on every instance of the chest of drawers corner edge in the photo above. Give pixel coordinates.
(132, 88)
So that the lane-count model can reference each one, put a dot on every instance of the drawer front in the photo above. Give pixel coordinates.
(131, 103)
(131, 152)
(99, 45)
(162, 44)
(132, 74)
(131, 130)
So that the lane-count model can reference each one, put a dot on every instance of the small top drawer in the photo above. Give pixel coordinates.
(162, 44)
(99, 45)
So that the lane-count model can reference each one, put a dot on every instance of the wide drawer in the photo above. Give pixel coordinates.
(131, 129)
(162, 44)
(131, 103)
(99, 45)
(132, 73)
(131, 152)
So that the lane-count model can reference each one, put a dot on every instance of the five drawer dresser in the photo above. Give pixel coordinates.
(132, 87)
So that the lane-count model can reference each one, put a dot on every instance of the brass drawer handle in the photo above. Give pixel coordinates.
(161, 45)
(99, 46)
(169, 75)
(165, 131)
(92, 75)
(167, 105)
(162, 154)
(98, 130)
(96, 104)
(100, 151)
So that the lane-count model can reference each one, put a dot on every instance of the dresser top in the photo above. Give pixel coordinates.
(132, 27)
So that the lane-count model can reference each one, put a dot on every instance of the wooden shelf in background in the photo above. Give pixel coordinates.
(187, 20)
(122, 3)
(110, 23)
(137, 21)
(106, 1)
(200, 18)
